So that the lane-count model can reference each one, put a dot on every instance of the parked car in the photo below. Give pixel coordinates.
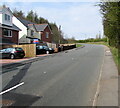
(12, 53)
(51, 50)
(43, 49)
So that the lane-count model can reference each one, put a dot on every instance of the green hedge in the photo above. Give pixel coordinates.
(92, 40)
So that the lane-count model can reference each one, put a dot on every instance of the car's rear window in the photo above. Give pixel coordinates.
(18, 49)
(40, 47)
(9, 49)
(45, 46)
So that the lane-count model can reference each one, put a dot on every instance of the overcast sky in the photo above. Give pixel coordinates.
(77, 19)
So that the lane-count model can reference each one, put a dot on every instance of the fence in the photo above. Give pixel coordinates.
(63, 47)
(67, 46)
(30, 49)
(52, 45)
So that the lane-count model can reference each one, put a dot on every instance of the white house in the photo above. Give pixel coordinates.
(23, 26)
(8, 30)
(30, 31)
(6, 16)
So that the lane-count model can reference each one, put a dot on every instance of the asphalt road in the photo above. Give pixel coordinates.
(66, 79)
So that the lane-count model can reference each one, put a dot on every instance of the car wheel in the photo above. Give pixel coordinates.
(12, 56)
(47, 52)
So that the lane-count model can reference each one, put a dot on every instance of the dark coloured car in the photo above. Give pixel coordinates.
(12, 53)
(48, 50)
(51, 50)
(43, 49)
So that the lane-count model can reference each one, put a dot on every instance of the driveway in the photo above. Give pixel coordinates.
(7, 61)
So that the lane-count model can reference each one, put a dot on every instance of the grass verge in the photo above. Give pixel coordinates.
(116, 57)
(78, 45)
(99, 43)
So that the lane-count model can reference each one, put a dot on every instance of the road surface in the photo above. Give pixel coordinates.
(66, 79)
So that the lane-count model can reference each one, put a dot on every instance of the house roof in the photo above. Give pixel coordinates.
(40, 27)
(14, 27)
(4, 7)
(25, 22)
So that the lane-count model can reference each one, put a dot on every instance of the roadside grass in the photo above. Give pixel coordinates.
(115, 55)
(99, 43)
(114, 52)
(78, 45)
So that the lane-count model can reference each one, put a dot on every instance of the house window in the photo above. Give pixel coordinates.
(47, 34)
(7, 33)
(7, 17)
(32, 32)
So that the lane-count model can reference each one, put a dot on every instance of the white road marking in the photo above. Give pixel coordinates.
(11, 88)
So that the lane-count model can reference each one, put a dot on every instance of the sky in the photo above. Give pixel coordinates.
(80, 20)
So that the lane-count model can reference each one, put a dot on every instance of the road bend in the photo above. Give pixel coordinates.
(66, 79)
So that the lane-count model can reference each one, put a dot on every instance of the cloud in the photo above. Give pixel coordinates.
(59, 0)
(50, 0)
(81, 20)
(76, 20)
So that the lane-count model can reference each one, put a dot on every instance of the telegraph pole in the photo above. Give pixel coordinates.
(59, 33)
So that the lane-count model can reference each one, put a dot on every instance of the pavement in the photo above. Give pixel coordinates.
(8, 63)
(108, 86)
(105, 91)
